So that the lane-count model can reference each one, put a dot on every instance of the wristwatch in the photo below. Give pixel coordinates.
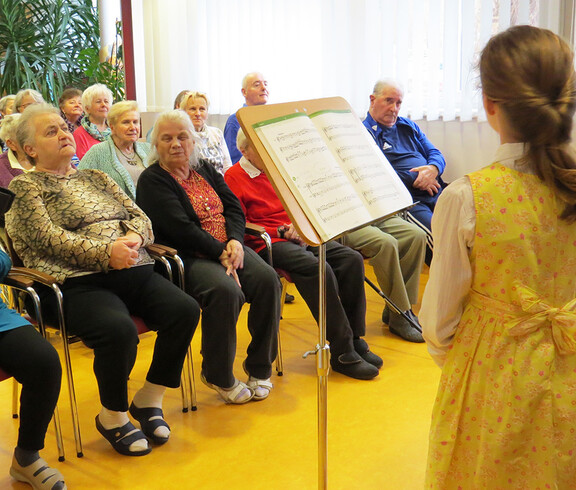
(280, 231)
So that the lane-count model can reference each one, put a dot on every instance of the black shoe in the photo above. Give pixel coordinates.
(400, 326)
(289, 298)
(352, 365)
(361, 347)
(386, 315)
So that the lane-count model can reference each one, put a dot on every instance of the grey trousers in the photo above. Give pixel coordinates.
(396, 250)
(221, 301)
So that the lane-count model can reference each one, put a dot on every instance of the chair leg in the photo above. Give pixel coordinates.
(191, 380)
(72, 396)
(14, 398)
(184, 392)
(58, 431)
(55, 419)
(279, 360)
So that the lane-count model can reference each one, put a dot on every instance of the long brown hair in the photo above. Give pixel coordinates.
(530, 72)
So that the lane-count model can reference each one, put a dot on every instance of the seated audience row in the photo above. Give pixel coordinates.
(82, 229)
(395, 247)
(192, 209)
(121, 155)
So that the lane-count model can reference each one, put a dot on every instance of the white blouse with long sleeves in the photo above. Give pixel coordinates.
(212, 148)
(450, 280)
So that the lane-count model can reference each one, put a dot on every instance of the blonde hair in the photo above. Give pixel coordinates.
(193, 95)
(529, 72)
(119, 108)
(4, 102)
(9, 126)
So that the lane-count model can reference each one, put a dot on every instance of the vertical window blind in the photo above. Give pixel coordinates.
(320, 48)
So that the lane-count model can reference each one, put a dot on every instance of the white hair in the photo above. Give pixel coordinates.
(385, 83)
(94, 91)
(180, 117)
(241, 140)
(37, 96)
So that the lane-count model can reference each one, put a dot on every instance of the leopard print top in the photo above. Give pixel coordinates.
(65, 225)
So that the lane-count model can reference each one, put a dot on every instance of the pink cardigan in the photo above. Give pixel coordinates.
(83, 141)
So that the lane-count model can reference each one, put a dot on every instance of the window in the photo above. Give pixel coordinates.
(320, 48)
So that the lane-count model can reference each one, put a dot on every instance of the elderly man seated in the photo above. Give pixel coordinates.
(345, 297)
(417, 161)
(396, 250)
(255, 92)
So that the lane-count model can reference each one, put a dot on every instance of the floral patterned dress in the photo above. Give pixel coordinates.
(505, 413)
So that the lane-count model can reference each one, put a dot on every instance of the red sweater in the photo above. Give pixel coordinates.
(84, 141)
(259, 202)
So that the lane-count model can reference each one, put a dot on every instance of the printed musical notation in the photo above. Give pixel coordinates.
(291, 135)
(334, 169)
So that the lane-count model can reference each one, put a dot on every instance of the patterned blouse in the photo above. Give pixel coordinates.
(206, 203)
(65, 225)
(212, 148)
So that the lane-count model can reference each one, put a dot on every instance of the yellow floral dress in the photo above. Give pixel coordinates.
(505, 412)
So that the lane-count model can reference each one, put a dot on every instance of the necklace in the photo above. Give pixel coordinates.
(130, 157)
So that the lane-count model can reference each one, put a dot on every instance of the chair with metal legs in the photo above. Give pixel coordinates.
(162, 254)
(170, 260)
(260, 232)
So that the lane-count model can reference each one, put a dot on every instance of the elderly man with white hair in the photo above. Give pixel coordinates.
(255, 92)
(418, 163)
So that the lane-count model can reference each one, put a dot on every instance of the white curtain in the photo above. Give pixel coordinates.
(320, 48)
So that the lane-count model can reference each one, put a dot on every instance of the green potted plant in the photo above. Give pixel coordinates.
(49, 45)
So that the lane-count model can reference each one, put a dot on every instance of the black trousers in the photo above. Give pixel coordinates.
(98, 308)
(221, 300)
(345, 295)
(30, 358)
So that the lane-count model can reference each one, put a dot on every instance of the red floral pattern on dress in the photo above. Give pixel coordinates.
(207, 205)
(505, 412)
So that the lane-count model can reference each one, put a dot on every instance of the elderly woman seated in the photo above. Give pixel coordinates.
(78, 226)
(70, 103)
(96, 101)
(192, 209)
(211, 146)
(13, 161)
(122, 156)
(6, 105)
(27, 97)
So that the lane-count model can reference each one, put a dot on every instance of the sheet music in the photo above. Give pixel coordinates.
(315, 178)
(368, 170)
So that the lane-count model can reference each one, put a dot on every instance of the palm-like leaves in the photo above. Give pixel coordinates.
(43, 45)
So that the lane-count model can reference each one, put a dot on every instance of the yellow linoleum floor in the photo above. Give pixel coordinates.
(377, 430)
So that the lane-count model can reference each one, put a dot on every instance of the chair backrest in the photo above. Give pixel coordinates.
(6, 199)
(4, 375)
